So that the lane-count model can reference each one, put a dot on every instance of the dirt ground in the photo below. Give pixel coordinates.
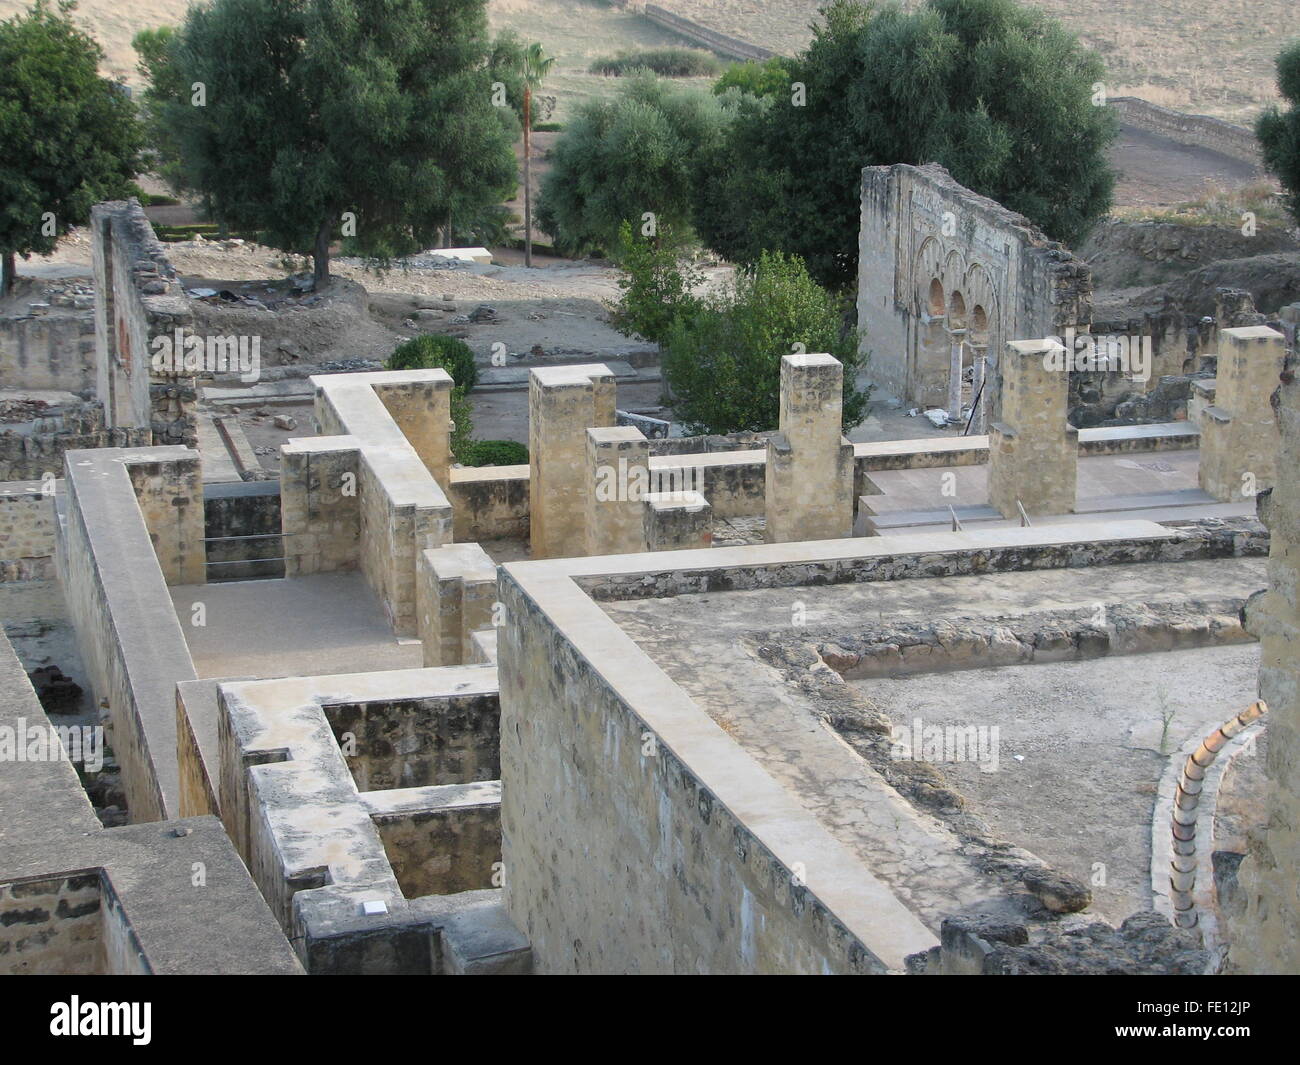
(1085, 814)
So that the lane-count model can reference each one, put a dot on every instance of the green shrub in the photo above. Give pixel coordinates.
(666, 62)
(493, 453)
(462, 428)
(722, 361)
(431, 352)
(656, 284)
(769, 78)
(548, 127)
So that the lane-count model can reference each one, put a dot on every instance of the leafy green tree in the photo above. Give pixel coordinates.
(162, 85)
(303, 118)
(657, 284)
(768, 78)
(999, 94)
(1278, 131)
(68, 137)
(629, 157)
(723, 362)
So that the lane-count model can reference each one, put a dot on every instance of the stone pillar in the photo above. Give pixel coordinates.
(1033, 450)
(170, 493)
(676, 521)
(456, 586)
(563, 403)
(977, 391)
(1265, 938)
(957, 340)
(1239, 439)
(618, 471)
(420, 404)
(809, 463)
(320, 513)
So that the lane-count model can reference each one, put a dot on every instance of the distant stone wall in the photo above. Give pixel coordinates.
(939, 265)
(138, 298)
(31, 455)
(1200, 131)
(53, 351)
(722, 43)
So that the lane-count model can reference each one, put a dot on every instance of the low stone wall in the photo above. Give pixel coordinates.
(115, 551)
(242, 526)
(492, 503)
(50, 351)
(26, 531)
(31, 455)
(722, 43)
(313, 836)
(1200, 131)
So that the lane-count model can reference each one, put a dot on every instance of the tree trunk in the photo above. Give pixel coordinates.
(321, 257)
(528, 175)
(8, 272)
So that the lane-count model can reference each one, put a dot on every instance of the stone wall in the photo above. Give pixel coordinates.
(1200, 131)
(938, 265)
(1266, 937)
(114, 575)
(50, 351)
(722, 43)
(35, 450)
(26, 530)
(138, 298)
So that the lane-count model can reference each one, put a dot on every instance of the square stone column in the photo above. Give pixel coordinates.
(809, 463)
(1033, 450)
(1239, 437)
(618, 469)
(1265, 938)
(420, 404)
(563, 403)
(456, 586)
(676, 521)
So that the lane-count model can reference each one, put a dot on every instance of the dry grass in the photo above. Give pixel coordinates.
(1214, 57)
(1219, 205)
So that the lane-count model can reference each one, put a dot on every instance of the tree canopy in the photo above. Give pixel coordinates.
(68, 137)
(1278, 131)
(300, 119)
(999, 94)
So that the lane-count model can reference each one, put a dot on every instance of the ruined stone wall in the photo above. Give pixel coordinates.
(919, 226)
(138, 298)
(54, 351)
(26, 531)
(1201, 131)
(1266, 937)
(37, 450)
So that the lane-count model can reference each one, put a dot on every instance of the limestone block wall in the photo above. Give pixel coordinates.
(919, 226)
(52, 925)
(563, 403)
(114, 583)
(363, 495)
(1266, 938)
(809, 484)
(138, 297)
(1033, 450)
(677, 521)
(637, 837)
(1239, 436)
(310, 832)
(26, 530)
(456, 586)
(50, 351)
(169, 493)
(618, 477)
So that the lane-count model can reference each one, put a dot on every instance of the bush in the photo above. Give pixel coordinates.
(666, 62)
(1278, 131)
(656, 284)
(632, 156)
(433, 352)
(769, 78)
(722, 362)
(493, 453)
